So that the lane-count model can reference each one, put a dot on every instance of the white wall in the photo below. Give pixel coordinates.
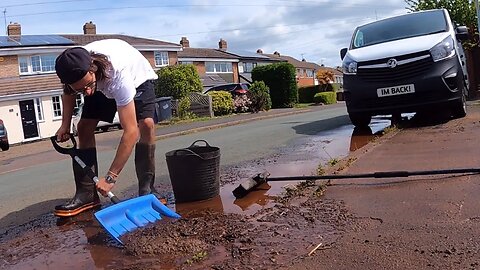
(11, 116)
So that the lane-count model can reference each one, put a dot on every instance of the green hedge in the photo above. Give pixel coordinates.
(325, 97)
(222, 102)
(280, 79)
(306, 93)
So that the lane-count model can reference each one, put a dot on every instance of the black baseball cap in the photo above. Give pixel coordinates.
(72, 64)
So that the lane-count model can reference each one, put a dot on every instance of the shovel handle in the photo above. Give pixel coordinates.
(64, 150)
(72, 152)
(92, 176)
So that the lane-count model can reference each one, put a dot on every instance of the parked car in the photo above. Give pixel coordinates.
(233, 88)
(3, 137)
(405, 64)
(103, 126)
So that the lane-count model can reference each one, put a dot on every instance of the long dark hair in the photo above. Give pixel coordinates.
(100, 66)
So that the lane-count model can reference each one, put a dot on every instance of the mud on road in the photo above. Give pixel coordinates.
(415, 223)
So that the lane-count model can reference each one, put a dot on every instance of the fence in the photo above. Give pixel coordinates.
(200, 105)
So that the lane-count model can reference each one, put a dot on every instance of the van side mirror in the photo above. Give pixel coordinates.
(343, 52)
(462, 33)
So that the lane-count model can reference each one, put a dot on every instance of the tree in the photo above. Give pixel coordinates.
(462, 12)
(178, 81)
(325, 77)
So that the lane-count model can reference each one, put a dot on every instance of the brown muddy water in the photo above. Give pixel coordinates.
(80, 242)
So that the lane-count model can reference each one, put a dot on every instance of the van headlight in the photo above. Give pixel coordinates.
(443, 50)
(349, 66)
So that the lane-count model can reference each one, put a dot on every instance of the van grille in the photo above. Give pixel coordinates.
(398, 73)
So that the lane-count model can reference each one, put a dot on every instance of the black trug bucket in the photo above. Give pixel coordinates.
(194, 172)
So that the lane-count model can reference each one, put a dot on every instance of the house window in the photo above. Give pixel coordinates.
(218, 67)
(161, 59)
(186, 62)
(39, 109)
(57, 106)
(247, 67)
(78, 101)
(309, 73)
(35, 64)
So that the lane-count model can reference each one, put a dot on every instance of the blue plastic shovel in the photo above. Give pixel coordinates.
(123, 216)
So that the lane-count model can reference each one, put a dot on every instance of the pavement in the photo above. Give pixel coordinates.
(167, 129)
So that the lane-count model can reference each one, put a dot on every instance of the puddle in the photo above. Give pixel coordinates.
(302, 159)
(81, 243)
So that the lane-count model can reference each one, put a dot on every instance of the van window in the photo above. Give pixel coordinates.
(410, 25)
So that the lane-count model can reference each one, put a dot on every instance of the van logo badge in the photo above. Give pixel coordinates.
(391, 63)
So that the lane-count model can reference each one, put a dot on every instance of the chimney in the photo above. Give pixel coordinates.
(222, 44)
(14, 29)
(276, 53)
(259, 51)
(89, 28)
(185, 43)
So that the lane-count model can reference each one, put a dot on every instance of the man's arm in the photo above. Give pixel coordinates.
(129, 138)
(68, 102)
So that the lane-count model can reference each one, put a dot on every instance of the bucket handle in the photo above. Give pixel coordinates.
(206, 143)
(189, 151)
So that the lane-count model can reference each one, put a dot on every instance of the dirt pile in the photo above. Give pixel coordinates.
(268, 239)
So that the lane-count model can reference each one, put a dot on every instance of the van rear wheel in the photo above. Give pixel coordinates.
(360, 119)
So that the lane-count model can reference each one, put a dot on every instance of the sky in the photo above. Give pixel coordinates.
(315, 30)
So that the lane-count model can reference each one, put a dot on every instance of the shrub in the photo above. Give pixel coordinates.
(177, 81)
(241, 103)
(222, 102)
(184, 109)
(260, 97)
(325, 97)
(306, 93)
(280, 79)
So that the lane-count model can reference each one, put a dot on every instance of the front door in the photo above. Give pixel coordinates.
(29, 121)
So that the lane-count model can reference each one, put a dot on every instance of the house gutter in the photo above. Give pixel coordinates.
(192, 59)
(32, 50)
(30, 95)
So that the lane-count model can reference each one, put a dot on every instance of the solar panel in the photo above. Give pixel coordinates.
(247, 54)
(33, 40)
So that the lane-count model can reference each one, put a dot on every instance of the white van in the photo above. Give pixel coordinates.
(408, 63)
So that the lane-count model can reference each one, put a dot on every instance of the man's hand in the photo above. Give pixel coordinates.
(63, 134)
(103, 187)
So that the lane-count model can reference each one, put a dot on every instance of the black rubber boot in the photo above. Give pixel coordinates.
(86, 196)
(145, 168)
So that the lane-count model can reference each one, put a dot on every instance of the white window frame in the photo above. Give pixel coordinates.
(161, 58)
(57, 112)
(310, 73)
(28, 60)
(248, 67)
(39, 110)
(217, 67)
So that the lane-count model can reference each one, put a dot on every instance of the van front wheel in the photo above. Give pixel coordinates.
(360, 119)
(459, 107)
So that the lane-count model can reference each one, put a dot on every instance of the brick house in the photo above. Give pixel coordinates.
(305, 71)
(30, 92)
(214, 66)
(221, 65)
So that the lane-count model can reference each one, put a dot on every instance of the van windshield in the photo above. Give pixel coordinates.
(410, 25)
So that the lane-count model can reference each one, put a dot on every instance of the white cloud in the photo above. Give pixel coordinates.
(316, 29)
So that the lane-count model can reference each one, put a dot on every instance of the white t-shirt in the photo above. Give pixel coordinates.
(129, 69)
